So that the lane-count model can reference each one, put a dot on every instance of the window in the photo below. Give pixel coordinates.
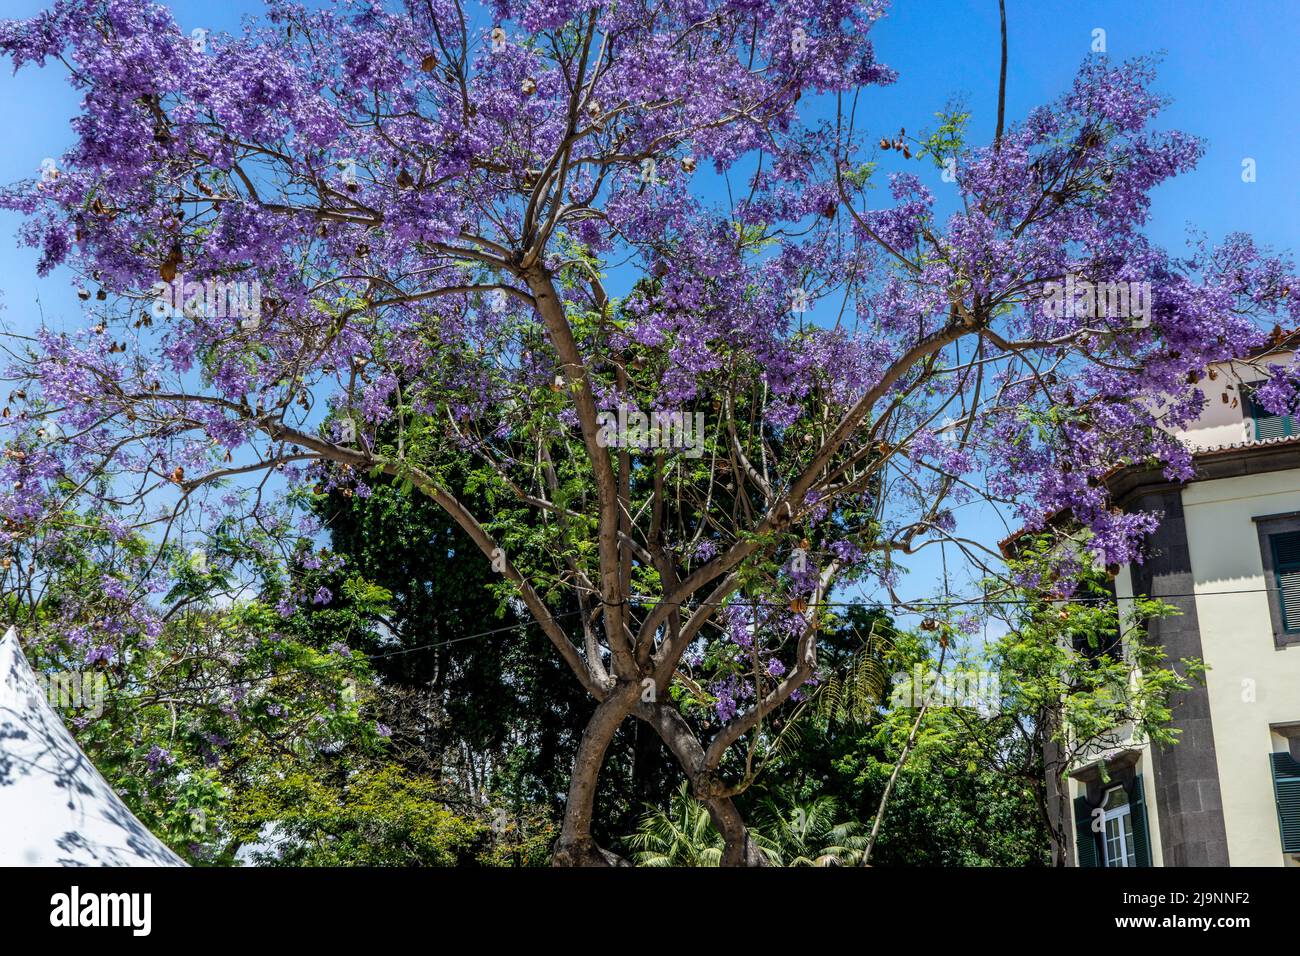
(1111, 825)
(1117, 830)
(1286, 790)
(1268, 425)
(1279, 549)
(1286, 573)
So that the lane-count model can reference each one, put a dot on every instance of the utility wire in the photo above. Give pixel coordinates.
(639, 599)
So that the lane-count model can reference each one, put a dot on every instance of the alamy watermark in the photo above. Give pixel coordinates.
(977, 690)
(210, 299)
(74, 690)
(75, 908)
(674, 431)
(1077, 298)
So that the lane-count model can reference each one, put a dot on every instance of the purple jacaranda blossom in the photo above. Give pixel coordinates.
(704, 549)
(101, 654)
(158, 758)
(115, 588)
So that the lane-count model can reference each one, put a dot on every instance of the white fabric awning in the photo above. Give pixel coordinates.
(55, 808)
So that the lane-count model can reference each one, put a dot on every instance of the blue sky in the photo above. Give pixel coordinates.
(1229, 69)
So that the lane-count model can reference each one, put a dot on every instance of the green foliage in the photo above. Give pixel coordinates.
(366, 815)
(853, 692)
(787, 832)
(1087, 663)
(236, 728)
(683, 835)
(809, 833)
(1078, 674)
(947, 141)
(860, 175)
(843, 744)
(503, 696)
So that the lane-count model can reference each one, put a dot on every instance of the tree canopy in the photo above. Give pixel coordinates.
(633, 293)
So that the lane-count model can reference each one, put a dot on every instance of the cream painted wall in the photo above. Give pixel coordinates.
(1224, 421)
(1237, 643)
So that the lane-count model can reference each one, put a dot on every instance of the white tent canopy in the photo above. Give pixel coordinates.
(55, 808)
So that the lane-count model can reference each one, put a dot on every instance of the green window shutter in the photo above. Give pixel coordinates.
(1085, 840)
(1286, 570)
(1268, 425)
(1286, 788)
(1141, 833)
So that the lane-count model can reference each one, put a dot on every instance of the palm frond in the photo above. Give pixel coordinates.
(852, 695)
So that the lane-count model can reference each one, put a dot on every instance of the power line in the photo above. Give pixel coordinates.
(640, 599)
(959, 602)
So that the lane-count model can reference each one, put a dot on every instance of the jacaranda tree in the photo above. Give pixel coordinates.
(630, 272)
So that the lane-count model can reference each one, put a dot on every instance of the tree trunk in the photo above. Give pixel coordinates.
(576, 846)
(1052, 789)
(739, 848)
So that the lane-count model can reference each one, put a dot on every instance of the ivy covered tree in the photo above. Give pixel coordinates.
(623, 267)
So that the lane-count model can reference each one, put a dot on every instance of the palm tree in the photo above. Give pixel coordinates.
(790, 834)
(682, 836)
(808, 834)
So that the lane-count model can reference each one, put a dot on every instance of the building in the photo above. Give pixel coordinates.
(1227, 555)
